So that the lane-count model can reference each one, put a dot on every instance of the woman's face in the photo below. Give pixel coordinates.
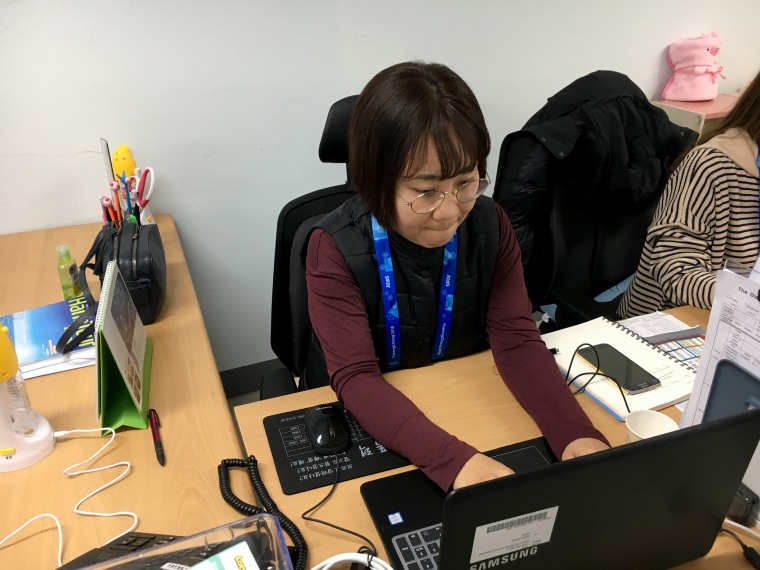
(435, 228)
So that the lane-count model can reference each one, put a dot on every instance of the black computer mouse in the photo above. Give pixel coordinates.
(327, 429)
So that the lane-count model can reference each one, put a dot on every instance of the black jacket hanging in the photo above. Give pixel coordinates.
(599, 139)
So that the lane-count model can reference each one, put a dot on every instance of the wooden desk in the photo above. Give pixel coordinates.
(197, 429)
(491, 418)
(692, 316)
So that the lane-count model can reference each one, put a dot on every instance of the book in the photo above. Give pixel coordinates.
(676, 378)
(124, 356)
(35, 332)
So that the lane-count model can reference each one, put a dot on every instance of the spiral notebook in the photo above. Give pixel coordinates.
(676, 378)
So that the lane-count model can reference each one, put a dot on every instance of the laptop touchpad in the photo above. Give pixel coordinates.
(524, 459)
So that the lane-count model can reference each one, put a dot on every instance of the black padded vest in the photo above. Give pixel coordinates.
(417, 271)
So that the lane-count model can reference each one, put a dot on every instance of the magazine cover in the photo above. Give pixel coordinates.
(35, 332)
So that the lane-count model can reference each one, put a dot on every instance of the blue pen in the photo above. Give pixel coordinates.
(123, 179)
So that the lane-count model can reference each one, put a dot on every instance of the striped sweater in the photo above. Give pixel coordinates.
(707, 214)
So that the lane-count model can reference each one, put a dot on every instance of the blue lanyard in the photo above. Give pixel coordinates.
(390, 301)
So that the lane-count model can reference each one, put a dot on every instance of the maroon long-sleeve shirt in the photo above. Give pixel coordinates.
(340, 321)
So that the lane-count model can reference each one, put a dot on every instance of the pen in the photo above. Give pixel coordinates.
(114, 186)
(127, 191)
(111, 212)
(154, 425)
(105, 211)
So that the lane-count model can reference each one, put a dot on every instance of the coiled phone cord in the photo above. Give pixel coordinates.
(251, 466)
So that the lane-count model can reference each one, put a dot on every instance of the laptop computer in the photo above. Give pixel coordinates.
(654, 503)
(735, 389)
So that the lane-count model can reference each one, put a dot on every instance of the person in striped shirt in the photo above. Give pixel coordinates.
(707, 215)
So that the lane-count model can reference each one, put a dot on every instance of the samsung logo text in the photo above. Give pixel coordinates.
(506, 558)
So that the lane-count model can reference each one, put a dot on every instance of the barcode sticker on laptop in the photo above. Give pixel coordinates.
(513, 537)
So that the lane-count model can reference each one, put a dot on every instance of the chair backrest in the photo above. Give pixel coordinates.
(333, 146)
(291, 328)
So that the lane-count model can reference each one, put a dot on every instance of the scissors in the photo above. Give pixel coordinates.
(145, 185)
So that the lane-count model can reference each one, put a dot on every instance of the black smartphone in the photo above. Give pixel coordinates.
(631, 377)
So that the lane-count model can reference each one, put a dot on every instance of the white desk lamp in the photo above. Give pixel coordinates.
(25, 436)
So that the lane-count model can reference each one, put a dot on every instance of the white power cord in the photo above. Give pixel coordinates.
(70, 473)
(125, 464)
(57, 523)
(367, 560)
(749, 531)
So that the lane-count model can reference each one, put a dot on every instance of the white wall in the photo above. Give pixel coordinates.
(227, 100)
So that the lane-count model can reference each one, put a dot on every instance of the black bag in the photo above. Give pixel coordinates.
(139, 251)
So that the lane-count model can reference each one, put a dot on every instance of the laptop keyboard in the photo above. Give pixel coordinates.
(419, 550)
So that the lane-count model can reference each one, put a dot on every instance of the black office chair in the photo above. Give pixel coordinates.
(580, 183)
(291, 330)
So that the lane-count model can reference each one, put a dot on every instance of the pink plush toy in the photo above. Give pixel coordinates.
(695, 68)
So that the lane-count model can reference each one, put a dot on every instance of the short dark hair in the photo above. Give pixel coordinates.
(397, 113)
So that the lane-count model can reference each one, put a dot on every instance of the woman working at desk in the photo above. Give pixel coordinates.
(707, 215)
(450, 270)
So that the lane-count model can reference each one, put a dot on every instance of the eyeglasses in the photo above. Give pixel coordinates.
(466, 191)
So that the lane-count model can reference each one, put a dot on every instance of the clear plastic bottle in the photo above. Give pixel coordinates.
(23, 420)
(67, 273)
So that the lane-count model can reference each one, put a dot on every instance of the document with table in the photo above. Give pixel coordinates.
(672, 335)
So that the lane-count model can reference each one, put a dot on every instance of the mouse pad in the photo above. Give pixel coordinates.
(300, 468)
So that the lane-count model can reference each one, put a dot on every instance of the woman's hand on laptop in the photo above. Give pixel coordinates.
(480, 468)
(582, 446)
